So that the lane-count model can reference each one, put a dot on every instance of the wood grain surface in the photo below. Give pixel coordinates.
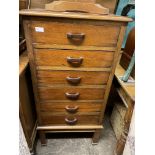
(59, 77)
(58, 93)
(57, 119)
(49, 57)
(56, 33)
(72, 15)
(87, 106)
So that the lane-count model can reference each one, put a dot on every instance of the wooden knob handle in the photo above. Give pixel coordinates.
(72, 96)
(71, 121)
(71, 109)
(75, 62)
(76, 38)
(73, 81)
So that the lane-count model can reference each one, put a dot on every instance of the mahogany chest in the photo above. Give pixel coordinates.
(72, 58)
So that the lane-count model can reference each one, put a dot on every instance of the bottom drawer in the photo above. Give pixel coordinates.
(64, 119)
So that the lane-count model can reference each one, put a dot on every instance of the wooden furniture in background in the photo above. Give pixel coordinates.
(69, 56)
(22, 46)
(87, 6)
(111, 4)
(123, 95)
(123, 109)
(128, 52)
(23, 4)
(27, 112)
(38, 4)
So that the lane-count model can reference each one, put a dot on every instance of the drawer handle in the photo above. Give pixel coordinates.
(72, 96)
(75, 62)
(71, 109)
(71, 121)
(76, 38)
(73, 81)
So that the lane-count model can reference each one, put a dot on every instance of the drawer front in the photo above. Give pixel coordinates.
(71, 107)
(62, 119)
(72, 77)
(62, 33)
(73, 58)
(71, 93)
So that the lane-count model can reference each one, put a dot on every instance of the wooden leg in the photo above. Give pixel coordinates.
(32, 153)
(42, 138)
(120, 145)
(96, 136)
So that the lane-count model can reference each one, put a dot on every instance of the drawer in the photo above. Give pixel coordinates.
(73, 58)
(71, 107)
(64, 119)
(71, 93)
(75, 33)
(72, 77)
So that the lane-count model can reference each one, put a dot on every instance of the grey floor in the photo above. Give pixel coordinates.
(80, 146)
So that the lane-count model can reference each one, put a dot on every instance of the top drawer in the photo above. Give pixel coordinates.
(75, 33)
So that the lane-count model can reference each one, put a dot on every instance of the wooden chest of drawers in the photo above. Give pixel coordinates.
(72, 57)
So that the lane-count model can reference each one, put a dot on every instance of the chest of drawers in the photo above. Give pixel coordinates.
(72, 58)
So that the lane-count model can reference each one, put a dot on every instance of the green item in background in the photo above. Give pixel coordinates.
(121, 5)
(129, 70)
(131, 14)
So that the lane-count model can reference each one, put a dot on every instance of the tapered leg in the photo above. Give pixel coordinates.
(96, 136)
(42, 138)
(32, 152)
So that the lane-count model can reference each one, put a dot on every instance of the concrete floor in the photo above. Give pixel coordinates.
(80, 146)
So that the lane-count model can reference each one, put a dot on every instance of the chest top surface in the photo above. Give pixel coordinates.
(73, 15)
